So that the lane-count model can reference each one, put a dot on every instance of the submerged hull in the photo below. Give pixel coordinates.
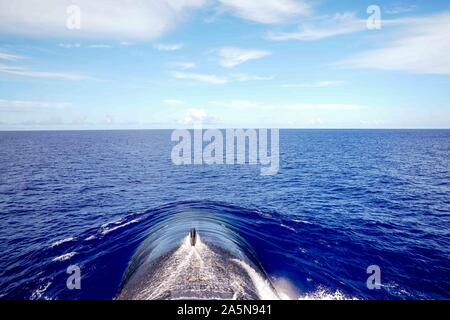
(219, 265)
(193, 272)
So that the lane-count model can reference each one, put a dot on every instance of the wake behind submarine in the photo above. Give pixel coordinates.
(207, 261)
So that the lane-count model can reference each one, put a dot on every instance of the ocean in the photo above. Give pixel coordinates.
(342, 200)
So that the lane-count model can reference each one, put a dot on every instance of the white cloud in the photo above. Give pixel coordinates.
(197, 116)
(108, 119)
(69, 45)
(316, 121)
(397, 9)
(324, 106)
(10, 56)
(242, 104)
(422, 47)
(173, 102)
(25, 72)
(184, 65)
(207, 78)
(168, 46)
(126, 43)
(118, 19)
(100, 46)
(266, 11)
(242, 77)
(33, 104)
(214, 79)
(323, 27)
(247, 104)
(318, 84)
(231, 57)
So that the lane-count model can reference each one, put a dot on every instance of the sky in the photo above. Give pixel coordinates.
(143, 64)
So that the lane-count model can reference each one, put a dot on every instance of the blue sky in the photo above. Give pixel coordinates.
(225, 63)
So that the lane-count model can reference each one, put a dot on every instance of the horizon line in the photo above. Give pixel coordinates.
(206, 128)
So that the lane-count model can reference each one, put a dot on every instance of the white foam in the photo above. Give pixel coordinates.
(38, 293)
(65, 256)
(119, 221)
(118, 226)
(301, 221)
(303, 250)
(325, 294)
(287, 227)
(265, 291)
(204, 256)
(59, 242)
(394, 289)
(287, 291)
(204, 259)
(185, 255)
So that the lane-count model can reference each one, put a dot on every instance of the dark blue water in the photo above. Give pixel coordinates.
(342, 200)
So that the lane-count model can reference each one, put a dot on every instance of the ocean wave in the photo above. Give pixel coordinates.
(264, 288)
(301, 221)
(299, 251)
(326, 294)
(107, 230)
(90, 238)
(64, 257)
(38, 293)
(288, 291)
(288, 227)
(59, 242)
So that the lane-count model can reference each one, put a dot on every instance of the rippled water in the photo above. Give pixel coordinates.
(342, 200)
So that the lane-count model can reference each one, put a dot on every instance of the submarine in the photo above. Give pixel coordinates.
(205, 260)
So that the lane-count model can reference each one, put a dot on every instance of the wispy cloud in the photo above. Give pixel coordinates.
(257, 105)
(25, 72)
(126, 43)
(242, 104)
(69, 45)
(400, 8)
(267, 11)
(168, 46)
(100, 46)
(173, 102)
(324, 106)
(184, 65)
(196, 116)
(318, 84)
(323, 27)
(207, 78)
(10, 56)
(316, 122)
(242, 77)
(130, 19)
(214, 79)
(19, 104)
(231, 56)
(422, 46)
